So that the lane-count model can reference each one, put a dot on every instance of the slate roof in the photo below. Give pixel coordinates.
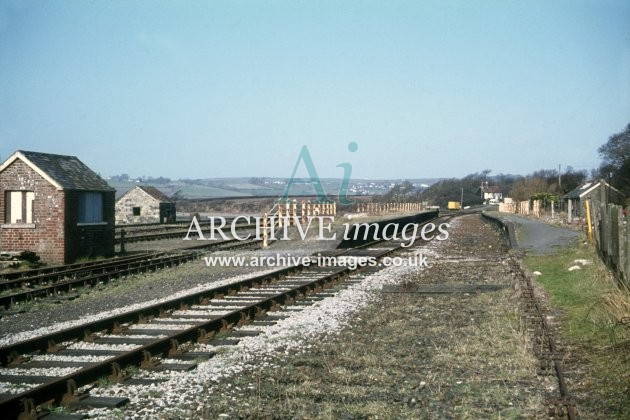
(67, 171)
(488, 189)
(155, 193)
(491, 189)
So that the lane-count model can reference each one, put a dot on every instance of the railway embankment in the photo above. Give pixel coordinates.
(589, 308)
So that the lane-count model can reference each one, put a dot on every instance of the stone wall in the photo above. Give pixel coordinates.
(148, 207)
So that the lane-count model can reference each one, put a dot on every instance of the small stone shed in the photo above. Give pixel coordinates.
(55, 206)
(596, 191)
(143, 204)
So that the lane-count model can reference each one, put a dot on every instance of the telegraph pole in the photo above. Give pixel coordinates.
(559, 188)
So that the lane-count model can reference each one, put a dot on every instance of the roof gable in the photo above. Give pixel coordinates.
(150, 191)
(494, 189)
(155, 193)
(64, 172)
(587, 188)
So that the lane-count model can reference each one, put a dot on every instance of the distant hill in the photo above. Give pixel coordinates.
(255, 187)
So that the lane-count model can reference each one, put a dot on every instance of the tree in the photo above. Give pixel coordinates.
(524, 189)
(571, 179)
(617, 150)
(399, 192)
(447, 190)
(615, 154)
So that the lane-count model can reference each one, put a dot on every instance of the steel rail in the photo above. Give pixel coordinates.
(108, 271)
(57, 388)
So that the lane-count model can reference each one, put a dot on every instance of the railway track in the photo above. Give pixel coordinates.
(149, 227)
(32, 284)
(546, 350)
(156, 334)
(544, 343)
(167, 232)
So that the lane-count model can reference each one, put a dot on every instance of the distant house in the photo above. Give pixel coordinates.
(490, 193)
(143, 204)
(596, 191)
(55, 206)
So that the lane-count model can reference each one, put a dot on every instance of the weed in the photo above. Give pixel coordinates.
(154, 393)
(58, 410)
(592, 307)
(103, 382)
(132, 370)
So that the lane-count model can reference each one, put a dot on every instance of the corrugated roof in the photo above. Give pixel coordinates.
(576, 193)
(155, 193)
(587, 188)
(67, 171)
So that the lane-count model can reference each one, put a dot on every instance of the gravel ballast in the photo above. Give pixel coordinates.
(364, 352)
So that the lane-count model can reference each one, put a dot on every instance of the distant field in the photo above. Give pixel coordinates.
(245, 187)
(201, 191)
(187, 190)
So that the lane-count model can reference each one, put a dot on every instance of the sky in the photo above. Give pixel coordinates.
(427, 89)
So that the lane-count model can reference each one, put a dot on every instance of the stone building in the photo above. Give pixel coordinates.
(55, 206)
(143, 204)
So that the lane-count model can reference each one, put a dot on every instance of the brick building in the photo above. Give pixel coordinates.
(145, 205)
(55, 206)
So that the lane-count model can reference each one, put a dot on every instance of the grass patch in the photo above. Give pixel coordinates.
(423, 357)
(592, 308)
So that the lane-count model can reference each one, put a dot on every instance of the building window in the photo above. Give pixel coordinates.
(90, 207)
(18, 206)
(136, 211)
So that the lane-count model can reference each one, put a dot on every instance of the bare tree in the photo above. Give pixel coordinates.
(615, 154)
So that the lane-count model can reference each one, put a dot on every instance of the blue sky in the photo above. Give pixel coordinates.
(235, 88)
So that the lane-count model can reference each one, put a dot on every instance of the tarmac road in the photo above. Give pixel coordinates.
(539, 238)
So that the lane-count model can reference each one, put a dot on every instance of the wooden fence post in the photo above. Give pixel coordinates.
(614, 235)
(625, 236)
(279, 214)
(265, 235)
(589, 225)
(604, 233)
